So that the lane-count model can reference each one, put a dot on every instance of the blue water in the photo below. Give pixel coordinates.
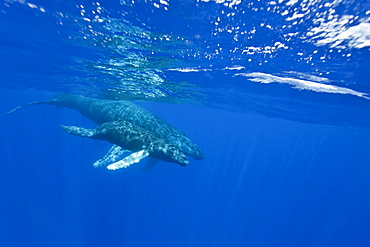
(275, 93)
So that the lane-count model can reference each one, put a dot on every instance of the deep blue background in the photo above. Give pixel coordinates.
(265, 182)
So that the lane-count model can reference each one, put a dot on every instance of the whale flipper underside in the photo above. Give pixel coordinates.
(129, 160)
(115, 153)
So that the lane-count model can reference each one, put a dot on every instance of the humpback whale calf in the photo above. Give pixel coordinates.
(133, 138)
(101, 111)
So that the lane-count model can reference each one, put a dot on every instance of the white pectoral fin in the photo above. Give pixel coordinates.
(129, 160)
(113, 155)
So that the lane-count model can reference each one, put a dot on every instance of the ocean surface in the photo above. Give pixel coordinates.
(275, 93)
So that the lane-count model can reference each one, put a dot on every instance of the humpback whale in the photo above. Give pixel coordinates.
(133, 138)
(101, 111)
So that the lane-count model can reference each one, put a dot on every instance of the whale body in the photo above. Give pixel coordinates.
(133, 138)
(101, 111)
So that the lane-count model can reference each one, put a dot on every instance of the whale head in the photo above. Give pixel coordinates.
(187, 146)
(170, 153)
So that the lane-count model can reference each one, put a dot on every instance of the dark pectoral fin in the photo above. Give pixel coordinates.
(150, 164)
(78, 131)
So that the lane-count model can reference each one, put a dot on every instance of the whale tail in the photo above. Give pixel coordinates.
(58, 100)
(78, 131)
(28, 104)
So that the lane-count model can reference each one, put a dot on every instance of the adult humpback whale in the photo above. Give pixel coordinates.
(133, 138)
(101, 111)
